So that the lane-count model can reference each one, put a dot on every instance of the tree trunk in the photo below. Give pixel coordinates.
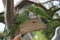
(9, 13)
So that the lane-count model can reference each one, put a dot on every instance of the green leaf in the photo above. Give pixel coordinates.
(32, 9)
(42, 13)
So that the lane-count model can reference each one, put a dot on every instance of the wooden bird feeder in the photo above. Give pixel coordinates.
(32, 25)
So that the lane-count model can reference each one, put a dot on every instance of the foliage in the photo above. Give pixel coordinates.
(38, 35)
(1, 17)
(47, 17)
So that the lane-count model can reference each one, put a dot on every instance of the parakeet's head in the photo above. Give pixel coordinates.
(57, 31)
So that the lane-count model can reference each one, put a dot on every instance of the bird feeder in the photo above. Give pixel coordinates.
(32, 24)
